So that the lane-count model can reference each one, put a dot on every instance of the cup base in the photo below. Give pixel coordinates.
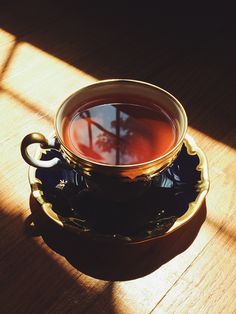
(116, 190)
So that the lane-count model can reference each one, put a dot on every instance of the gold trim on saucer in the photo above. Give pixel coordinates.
(202, 188)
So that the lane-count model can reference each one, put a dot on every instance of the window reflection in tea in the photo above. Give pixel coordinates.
(120, 133)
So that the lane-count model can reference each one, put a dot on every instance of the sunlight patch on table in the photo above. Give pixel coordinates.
(41, 78)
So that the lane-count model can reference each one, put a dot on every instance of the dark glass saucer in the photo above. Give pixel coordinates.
(173, 198)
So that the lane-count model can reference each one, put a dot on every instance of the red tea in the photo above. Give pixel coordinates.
(120, 133)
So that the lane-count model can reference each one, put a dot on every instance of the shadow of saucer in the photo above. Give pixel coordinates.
(108, 260)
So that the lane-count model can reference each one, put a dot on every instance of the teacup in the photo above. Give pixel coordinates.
(117, 133)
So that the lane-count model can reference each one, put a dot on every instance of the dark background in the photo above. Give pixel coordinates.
(192, 55)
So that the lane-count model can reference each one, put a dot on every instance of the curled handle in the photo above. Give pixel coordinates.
(34, 138)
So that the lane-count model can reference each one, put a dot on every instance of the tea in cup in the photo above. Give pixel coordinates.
(118, 134)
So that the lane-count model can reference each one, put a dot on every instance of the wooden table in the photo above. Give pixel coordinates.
(47, 52)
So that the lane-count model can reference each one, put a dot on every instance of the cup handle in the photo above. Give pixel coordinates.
(34, 138)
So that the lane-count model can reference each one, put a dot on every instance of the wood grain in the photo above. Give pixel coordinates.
(207, 287)
(43, 61)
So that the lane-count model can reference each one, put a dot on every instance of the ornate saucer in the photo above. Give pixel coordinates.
(173, 199)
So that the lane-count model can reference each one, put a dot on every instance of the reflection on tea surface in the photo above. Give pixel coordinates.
(119, 133)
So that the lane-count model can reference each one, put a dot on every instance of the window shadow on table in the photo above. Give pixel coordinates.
(110, 261)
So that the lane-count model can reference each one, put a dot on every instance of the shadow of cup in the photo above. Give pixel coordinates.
(109, 260)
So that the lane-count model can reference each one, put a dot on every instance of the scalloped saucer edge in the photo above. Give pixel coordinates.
(202, 188)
